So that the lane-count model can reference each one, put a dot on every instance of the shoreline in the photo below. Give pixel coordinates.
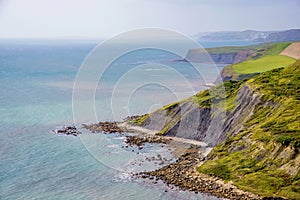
(137, 129)
(176, 141)
(182, 173)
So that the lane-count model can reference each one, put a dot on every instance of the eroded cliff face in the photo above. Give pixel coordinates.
(254, 129)
(261, 153)
(209, 124)
(195, 55)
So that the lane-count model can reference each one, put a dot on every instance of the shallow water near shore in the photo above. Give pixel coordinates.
(36, 98)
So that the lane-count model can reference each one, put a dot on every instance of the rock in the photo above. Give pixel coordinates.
(141, 140)
(67, 130)
(106, 127)
(181, 174)
(131, 118)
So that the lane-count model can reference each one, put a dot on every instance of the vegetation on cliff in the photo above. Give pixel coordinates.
(268, 49)
(261, 141)
(237, 54)
(141, 119)
(221, 96)
(264, 156)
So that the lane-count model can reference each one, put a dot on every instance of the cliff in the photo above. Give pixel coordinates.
(237, 54)
(281, 36)
(250, 35)
(263, 157)
(254, 126)
(199, 118)
(247, 35)
(194, 55)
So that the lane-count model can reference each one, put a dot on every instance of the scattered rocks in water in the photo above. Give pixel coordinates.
(106, 127)
(183, 175)
(67, 130)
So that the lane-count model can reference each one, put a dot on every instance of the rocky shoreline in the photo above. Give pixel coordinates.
(183, 174)
(105, 127)
(141, 140)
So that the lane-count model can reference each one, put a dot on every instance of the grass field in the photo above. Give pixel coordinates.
(270, 49)
(262, 64)
(261, 49)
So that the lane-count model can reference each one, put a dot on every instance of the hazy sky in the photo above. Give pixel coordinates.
(104, 18)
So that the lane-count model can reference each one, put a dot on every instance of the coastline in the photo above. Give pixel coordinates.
(176, 141)
(181, 174)
(137, 129)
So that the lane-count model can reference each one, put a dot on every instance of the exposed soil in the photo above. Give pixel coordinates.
(292, 50)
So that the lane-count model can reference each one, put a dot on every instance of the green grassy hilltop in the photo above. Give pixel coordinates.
(264, 57)
(263, 64)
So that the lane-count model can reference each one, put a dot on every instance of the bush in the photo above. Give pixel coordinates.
(218, 169)
(285, 139)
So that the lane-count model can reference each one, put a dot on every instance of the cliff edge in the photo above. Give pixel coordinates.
(253, 125)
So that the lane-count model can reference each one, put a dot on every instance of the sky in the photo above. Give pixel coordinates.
(105, 18)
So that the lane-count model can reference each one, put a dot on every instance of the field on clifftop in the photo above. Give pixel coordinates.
(262, 64)
(263, 58)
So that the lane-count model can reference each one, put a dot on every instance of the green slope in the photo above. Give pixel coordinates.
(264, 156)
(259, 49)
(234, 49)
(263, 64)
(264, 57)
(270, 49)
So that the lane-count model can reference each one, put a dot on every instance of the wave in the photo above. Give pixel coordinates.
(155, 69)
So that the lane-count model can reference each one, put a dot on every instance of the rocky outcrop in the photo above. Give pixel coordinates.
(242, 55)
(141, 140)
(195, 55)
(67, 130)
(210, 125)
(246, 101)
(227, 74)
(106, 127)
(222, 58)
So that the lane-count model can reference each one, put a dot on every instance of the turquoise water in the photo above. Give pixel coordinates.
(36, 97)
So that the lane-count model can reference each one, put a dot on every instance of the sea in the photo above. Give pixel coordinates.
(36, 93)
